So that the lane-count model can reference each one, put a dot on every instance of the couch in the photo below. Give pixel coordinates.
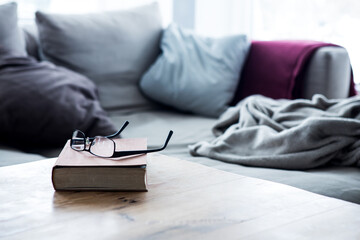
(327, 73)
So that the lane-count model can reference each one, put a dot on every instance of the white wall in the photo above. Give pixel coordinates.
(225, 17)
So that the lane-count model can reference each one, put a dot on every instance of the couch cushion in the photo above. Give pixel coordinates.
(11, 40)
(10, 156)
(339, 182)
(113, 49)
(194, 73)
(41, 104)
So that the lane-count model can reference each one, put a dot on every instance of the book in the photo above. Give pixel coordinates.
(82, 171)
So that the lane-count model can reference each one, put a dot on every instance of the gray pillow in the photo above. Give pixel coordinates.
(31, 38)
(194, 73)
(11, 40)
(113, 49)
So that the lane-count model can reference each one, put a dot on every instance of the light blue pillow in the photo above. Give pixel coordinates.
(194, 73)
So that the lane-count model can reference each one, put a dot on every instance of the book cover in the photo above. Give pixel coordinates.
(76, 170)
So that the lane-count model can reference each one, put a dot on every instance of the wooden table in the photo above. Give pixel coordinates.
(185, 201)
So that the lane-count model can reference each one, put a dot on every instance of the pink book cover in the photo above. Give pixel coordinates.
(69, 157)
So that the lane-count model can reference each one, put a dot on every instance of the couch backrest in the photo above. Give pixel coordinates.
(327, 73)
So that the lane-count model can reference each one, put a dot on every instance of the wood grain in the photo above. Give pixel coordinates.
(185, 201)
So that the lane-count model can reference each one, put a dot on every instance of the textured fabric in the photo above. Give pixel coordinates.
(10, 156)
(113, 49)
(41, 104)
(287, 134)
(11, 40)
(194, 73)
(326, 67)
(339, 182)
(275, 69)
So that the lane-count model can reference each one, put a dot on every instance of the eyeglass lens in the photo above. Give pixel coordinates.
(102, 147)
(78, 141)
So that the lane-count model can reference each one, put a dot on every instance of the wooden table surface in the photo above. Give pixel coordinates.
(185, 201)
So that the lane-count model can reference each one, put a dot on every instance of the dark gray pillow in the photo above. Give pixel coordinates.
(113, 49)
(31, 38)
(11, 40)
(41, 104)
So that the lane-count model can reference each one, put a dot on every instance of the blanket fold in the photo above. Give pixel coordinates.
(288, 134)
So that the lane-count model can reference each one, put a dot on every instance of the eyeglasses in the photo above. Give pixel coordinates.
(104, 146)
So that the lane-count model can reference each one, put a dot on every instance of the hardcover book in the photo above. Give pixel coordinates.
(82, 171)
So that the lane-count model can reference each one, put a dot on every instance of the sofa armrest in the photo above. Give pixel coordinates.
(328, 73)
(290, 69)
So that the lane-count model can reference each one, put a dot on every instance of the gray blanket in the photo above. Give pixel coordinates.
(287, 134)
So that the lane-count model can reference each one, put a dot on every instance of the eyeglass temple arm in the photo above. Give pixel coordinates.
(117, 133)
(134, 152)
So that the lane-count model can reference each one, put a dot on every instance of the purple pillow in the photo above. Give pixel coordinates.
(41, 104)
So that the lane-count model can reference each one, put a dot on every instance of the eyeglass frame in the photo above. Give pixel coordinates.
(87, 141)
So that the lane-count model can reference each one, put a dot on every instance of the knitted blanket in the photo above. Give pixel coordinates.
(287, 134)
